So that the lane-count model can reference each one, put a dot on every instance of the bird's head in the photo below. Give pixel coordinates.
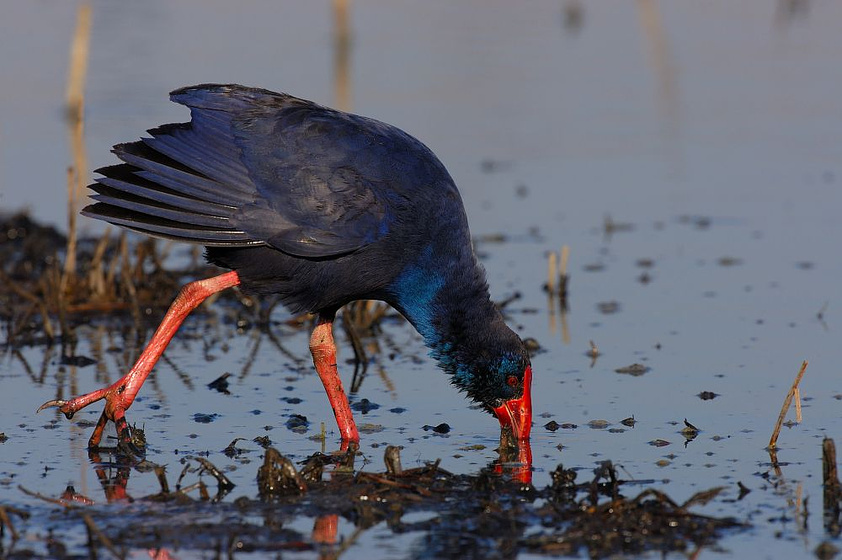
(504, 388)
(516, 413)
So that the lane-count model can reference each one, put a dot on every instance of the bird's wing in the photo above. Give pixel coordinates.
(257, 167)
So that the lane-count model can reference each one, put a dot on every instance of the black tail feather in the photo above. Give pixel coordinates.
(154, 193)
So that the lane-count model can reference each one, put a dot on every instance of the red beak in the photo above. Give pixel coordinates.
(516, 414)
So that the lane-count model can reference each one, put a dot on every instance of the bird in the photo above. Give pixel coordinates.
(318, 207)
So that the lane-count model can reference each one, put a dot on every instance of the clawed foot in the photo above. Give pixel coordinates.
(61, 405)
(116, 403)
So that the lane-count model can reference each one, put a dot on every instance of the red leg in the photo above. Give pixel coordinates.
(323, 348)
(326, 529)
(120, 396)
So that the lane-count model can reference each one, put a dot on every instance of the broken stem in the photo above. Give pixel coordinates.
(787, 401)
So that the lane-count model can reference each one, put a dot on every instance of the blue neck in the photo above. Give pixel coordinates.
(451, 308)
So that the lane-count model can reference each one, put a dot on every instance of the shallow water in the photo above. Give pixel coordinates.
(710, 130)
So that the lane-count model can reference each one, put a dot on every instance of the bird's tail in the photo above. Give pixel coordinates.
(186, 182)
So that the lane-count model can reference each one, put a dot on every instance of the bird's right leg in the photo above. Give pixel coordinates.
(323, 348)
(120, 395)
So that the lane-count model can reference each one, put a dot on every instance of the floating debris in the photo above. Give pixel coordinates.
(298, 423)
(77, 361)
(364, 406)
(220, 384)
(729, 261)
(689, 430)
(392, 458)
(645, 263)
(552, 425)
(634, 370)
(203, 418)
(277, 476)
(744, 490)
(369, 428)
(443, 428)
(608, 307)
(630, 422)
(232, 450)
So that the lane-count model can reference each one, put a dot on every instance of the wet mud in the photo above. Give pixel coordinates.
(491, 514)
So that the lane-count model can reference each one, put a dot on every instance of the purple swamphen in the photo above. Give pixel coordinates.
(320, 208)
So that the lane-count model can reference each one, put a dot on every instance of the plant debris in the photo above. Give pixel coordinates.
(634, 370)
(486, 515)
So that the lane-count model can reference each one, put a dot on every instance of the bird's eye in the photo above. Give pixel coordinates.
(512, 381)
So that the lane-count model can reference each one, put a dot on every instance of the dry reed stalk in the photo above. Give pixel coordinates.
(52, 286)
(126, 277)
(96, 270)
(6, 521)
(77, 175)
(830, 477)
(38, 302)
(565, 257)
(787, 401)
(94, 531)
(552, 272)
(70, 256)
(115, 261)
(79, 63)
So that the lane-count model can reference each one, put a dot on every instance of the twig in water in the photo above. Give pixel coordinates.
(830, 476)
(832, 489)
(6, 520)
(94, 531)
(46, 498)
(787, 401)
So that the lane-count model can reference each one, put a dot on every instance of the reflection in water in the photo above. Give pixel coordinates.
(342, 54)
(557, 290)
(790, 11)
(113, 475)
(664, 69)
(496, 511)
(515, 458)
(574, 16)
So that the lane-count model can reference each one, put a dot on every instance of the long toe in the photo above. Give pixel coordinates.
(55, 403)
(74, 405)
(116, 403)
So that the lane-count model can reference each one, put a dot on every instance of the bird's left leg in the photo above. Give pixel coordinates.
(323, 348)
(120, 395)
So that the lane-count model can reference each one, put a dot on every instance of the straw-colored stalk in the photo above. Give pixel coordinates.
(787, 401)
